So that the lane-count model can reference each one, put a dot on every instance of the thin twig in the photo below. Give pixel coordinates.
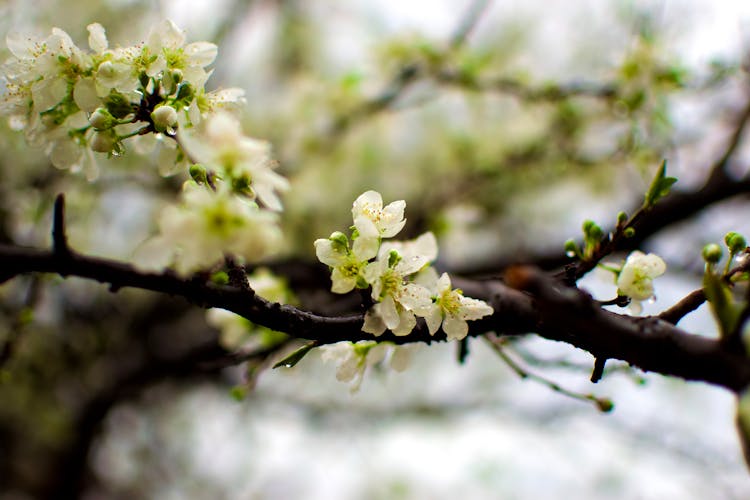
(469, 22)
(407, 74)
(603, 404)
(688, 304)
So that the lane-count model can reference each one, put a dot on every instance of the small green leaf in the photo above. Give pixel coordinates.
(743, 422)
(660, 186)
(296, 356)
(723, 306)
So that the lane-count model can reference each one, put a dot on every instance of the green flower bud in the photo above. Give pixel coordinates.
(571, 248)
(393, 258)
(629, 232)
(198, 173)
(605, 405)
(177, 75)
(712, 253)
(622, 218)
(735, 242)
(595, 233)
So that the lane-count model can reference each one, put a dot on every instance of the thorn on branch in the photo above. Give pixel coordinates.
(59, 238)
(463, 350)
(598, 372)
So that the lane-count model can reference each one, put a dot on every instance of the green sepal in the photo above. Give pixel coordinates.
(185, 93)
(118, 105)
(296, 356)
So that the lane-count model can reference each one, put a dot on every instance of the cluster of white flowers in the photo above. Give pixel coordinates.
(204, 227)
(75, 103)
(72, 101)
(404, 286)
(635, 279)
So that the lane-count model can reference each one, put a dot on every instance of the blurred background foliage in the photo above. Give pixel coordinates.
(503, 125)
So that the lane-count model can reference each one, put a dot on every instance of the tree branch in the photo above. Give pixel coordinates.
(539, 304)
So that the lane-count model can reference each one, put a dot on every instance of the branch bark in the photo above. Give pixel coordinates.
(533, 303)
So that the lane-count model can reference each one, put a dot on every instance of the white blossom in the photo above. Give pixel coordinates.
(206, 225)
(397, 300)
(347, 263)
(451, 309)
(635, 280)
(167, 42)
(372, 219)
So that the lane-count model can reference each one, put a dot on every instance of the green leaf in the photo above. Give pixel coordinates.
(723, 306)
(296, 356)
(743, 422)
(660, 186)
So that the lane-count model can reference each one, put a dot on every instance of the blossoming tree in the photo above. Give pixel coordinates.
(378, 286)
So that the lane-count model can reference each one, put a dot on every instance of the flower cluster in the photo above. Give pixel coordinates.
(204, 227)
(72, 101)
(151, 95)
(403, 285)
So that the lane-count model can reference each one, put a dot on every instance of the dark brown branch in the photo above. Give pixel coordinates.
(571, 315)
(552, 310)
(684, 307)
